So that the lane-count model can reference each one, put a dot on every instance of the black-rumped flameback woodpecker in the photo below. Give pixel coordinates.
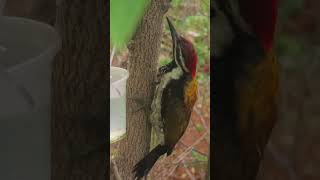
(174, 98)
(245, 85)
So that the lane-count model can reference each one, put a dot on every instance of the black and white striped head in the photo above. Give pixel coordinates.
(184, 53)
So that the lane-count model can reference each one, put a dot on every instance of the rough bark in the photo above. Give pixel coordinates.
(143, 55)
(80, 91)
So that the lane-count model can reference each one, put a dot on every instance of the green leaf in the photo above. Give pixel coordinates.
(200, 77)
(289, 8)
(175, 3)
(199, 127)
(164, 61)
(199, 23)
(124, 17)
(289, 45)
(199, 156)
(205, 6)
(203, 52)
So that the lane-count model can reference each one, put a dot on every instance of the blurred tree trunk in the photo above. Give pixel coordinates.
(80, 91)
(143, 57)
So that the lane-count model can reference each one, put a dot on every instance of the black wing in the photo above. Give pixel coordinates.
(174, 113)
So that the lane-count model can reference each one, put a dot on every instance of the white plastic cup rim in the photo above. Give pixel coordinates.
(124, 72)
(52, 47)
(118, 86)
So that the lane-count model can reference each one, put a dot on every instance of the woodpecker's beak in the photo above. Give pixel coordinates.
(176, 54)
(174, 34)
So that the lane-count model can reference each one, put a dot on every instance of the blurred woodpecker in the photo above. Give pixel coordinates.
(245, 85)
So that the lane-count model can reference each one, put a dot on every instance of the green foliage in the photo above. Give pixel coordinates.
(205, 6)
(288, 45)
(164, 61)
(199, 156)
(289, 8)
(203, 52)
(124, 17)
(200, 23)
(199, 127)
(201, 77)
(175, 3)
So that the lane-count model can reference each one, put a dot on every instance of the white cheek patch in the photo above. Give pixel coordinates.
(175, 52)
(182, 60)
(155, 117)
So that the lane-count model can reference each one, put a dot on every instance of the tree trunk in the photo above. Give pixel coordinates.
(80, 91)
(143, 55)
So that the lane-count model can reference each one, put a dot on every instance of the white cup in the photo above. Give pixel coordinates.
(118, 81)
(2, 4)
(27, 50)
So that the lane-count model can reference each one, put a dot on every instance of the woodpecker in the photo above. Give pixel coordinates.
(174, 98)
(245, 85)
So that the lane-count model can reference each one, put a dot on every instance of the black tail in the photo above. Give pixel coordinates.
(143, 166)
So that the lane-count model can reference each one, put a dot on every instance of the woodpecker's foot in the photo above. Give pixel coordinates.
(154, 83)
(142, 105)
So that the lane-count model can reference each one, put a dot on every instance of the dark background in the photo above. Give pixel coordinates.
(294, 150)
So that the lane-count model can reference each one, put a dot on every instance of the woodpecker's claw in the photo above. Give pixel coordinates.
(155, 82)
